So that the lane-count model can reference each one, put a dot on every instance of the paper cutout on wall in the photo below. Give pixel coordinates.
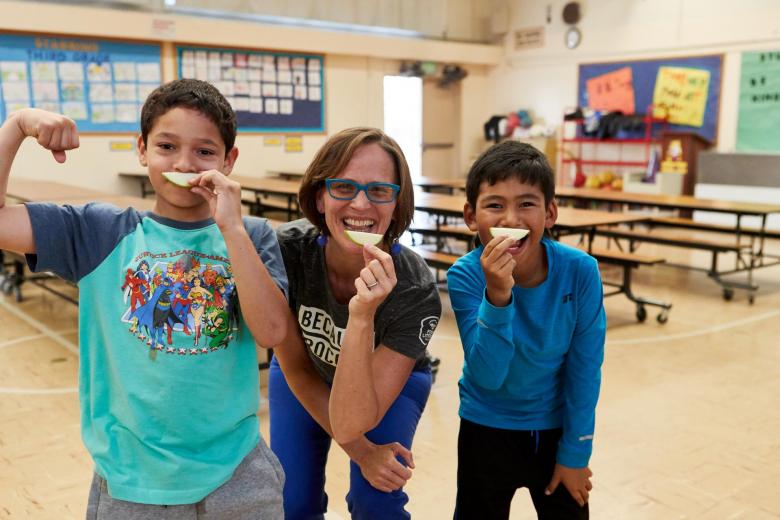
(612, 91)
(681, 95)
(759, 102)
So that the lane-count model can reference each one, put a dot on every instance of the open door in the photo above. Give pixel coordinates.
(440, 129)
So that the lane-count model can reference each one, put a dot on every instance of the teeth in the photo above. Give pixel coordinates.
(358, 223)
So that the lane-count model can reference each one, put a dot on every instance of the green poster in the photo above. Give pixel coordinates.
(758, 127)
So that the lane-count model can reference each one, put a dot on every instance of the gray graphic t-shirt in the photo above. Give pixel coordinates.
(404, 322)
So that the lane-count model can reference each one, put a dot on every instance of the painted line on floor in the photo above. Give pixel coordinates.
(11, 343)
(23, 339)
(700, 332)
(669, 337)
(42, 391)
(54, 336)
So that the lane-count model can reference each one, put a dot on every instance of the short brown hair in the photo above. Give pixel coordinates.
(193, 94)
(334, 156)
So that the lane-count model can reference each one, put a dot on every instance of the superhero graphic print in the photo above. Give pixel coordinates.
(181, 303)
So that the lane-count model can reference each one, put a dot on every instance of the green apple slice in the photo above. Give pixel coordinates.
(362, 238)
(180, 178)
(515, 233)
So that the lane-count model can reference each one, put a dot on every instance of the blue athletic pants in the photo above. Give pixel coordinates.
(302, 447)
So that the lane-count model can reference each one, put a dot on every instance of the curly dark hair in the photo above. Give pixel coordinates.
(194, 94)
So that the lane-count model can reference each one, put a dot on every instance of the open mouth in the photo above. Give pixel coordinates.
(363, 225)
(518, 246)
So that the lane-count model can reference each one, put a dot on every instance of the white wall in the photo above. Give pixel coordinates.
(354, 68)
(545, 79)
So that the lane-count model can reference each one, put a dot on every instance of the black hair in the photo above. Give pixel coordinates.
(196, 95)
(511, 159)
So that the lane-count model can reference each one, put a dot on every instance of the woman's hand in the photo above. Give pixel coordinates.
(377, 280)
(223, 196)
(380, 466)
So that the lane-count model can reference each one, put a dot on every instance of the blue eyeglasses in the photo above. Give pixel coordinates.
(378, 192)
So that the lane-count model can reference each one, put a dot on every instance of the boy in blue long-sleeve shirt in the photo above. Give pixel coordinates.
(531, 319)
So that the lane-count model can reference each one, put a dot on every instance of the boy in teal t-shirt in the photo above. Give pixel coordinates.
(168, 379)
(531, 319)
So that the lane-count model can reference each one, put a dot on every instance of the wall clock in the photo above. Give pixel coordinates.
(573, 37)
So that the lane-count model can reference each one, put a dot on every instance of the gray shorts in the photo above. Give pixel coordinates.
(254, 492)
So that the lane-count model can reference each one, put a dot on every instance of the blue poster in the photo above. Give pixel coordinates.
(99, 84)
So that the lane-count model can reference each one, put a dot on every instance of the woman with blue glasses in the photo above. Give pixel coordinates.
(354, 365)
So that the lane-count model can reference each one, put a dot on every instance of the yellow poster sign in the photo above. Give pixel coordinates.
(293, 143)
(681, 95)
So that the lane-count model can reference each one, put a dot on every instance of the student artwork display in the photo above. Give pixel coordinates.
(684, 91)
(680, 95)
(270, 92)
(99, 84)
(759, 102)
(612, 91)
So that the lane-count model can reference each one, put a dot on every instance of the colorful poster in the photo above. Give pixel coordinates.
(613, 91)
(97, 83)
(680, 95)
(759, 102)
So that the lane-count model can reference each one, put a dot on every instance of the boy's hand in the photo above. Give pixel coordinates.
(380, 467)
(498, 266)
(377, 280)
(576, 480)
(223, 196)
(54, 132)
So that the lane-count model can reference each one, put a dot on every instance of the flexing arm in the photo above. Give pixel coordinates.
(54, 132)
(257, 291)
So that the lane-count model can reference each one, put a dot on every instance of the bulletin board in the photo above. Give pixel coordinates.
(759, 102)
(688, 89)
(270, 91)
(99, 84)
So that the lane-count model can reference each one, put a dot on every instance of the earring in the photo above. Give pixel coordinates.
(322, 240)
(395, 248)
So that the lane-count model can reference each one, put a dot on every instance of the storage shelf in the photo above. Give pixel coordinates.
(588, 154)
(604, 163)
(596, 140)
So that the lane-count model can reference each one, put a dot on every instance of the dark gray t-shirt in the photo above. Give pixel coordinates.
(404, 322)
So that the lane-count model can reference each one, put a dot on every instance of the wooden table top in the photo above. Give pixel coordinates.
(28, 190)
(120, 201)
(271, 185)
(570, 218)
(667, 201)
(134, 175)
(439, 182)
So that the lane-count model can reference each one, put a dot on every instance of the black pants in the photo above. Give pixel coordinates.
(493, 463)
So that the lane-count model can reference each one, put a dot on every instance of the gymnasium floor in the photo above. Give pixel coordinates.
(687, 424)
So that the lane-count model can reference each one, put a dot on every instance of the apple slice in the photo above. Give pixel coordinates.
(180, 178)
(362, 238)
(515, 233)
